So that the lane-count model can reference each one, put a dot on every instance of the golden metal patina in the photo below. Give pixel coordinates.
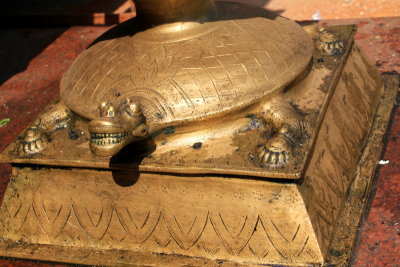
(211, 98)
(209, 62)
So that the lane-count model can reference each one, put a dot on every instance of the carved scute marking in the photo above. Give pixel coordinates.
(182, 93)
(139, 229)
(234, 240)
(185, 239)
(213, 71)
(153, 100)
(112, 43)
(52, 218)
(108, 72)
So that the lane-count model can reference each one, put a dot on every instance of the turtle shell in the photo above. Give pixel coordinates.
(187, 70)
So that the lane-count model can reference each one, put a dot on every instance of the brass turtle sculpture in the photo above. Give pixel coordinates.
(186, 63)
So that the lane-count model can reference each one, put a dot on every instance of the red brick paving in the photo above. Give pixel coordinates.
(331, 9)
(26, 93)
(380, 237)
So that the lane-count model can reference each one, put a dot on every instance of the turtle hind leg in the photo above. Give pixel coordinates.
(287, 132)
(36, 137)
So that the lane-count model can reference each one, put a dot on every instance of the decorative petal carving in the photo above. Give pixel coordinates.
(52, 213)
(185, 237)
(17, 212)
(137, 223)
(234, 238)
(94, 219)
(289, 239)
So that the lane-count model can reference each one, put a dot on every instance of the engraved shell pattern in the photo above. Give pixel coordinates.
(227, 65)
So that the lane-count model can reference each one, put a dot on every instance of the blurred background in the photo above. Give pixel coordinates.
(100, 12)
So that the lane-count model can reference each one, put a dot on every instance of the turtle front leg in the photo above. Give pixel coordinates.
(36, 137)
(116, 128)
(287, 132)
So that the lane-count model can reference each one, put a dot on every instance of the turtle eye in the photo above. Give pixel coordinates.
(107, 109)
(131, 110)
(126, 101)
(103, 107)
(129, 107)
(110, 111)
(134, 108)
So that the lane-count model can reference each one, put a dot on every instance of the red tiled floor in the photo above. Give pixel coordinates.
(34, 84)
(379, 244)
(330, 9)
(24, 94)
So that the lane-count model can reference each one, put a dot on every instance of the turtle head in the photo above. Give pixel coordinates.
(116, 127)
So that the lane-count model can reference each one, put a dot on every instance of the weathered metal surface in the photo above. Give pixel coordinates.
(331, 170)
(203, 217)
(185, 64)
(244, 135)
(193, 73)
(284, 223)
(328, 176)
(20, 99)
(357, 198)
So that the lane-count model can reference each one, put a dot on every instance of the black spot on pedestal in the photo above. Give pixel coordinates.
(197, 145)
(73, 134)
